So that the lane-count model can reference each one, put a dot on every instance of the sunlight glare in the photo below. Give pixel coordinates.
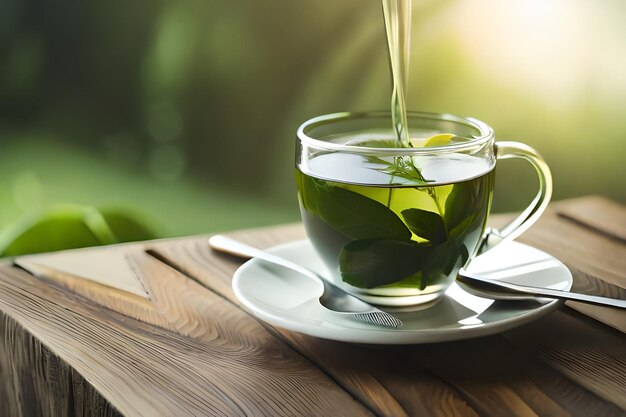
(554, 49)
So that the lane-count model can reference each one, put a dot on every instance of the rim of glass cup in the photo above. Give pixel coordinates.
(486, 133)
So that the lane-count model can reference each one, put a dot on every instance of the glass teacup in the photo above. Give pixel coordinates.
(394, 224)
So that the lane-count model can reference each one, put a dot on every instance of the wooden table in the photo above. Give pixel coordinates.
(168, 337)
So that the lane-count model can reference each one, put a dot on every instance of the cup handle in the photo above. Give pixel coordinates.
(506, 150)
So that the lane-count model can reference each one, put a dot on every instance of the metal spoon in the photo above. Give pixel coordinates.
(495, 287)
(333, 297)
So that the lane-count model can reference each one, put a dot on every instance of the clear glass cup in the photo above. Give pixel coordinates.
(394, 224)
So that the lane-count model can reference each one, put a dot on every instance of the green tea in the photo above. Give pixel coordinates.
(389, 228)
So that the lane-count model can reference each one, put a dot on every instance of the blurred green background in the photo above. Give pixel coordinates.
(184, 112)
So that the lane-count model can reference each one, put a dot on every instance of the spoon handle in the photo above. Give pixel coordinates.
(541, 292)
(236, 248)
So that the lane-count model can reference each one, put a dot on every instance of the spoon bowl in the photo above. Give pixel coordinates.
(332, 297)
(502, 290)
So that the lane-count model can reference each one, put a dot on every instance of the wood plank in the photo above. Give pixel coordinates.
(379, 379)
(107, 295)
(500, 379)
(47, 385)
(417, 378)
(598, 213)
(202, 255)
(106, 267)
(583, 248)
(596, 261)
(588, 284)
(218, 362)
(578, 347)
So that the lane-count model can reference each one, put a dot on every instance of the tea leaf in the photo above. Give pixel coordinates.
(462, 203)
(442, 260)
(459, 230)
(359, 217)
(425, 224)
(412, 281)
(374, 262)
(308, 191)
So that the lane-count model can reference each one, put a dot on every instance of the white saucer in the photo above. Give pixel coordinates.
(286, 299)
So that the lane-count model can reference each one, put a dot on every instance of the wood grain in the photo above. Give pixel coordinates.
(588, 284)
(596, 260)
(570, 344)
(598, 213)
(142, 369)
(43, 384)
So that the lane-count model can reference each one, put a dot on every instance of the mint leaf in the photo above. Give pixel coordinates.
(442, 260)
(465, 200)
(359, 217)
(464, 226)
(371, 263)
(425, 224)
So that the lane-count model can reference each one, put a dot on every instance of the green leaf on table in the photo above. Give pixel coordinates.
(51, 232)
(69, 228)
(425, 224)
(371, 263)
(359, 217)
(127, 227)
